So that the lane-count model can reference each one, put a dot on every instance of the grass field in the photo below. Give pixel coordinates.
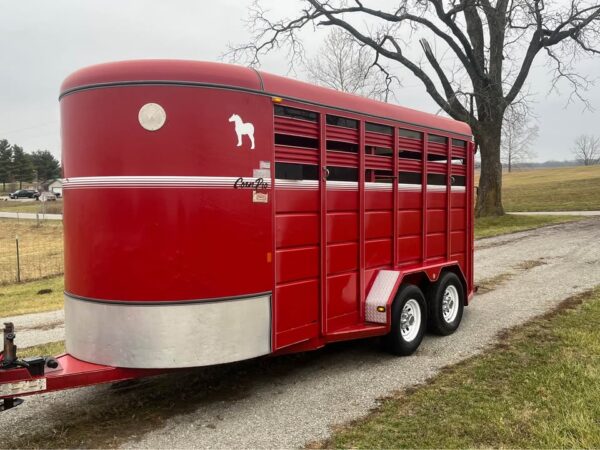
(31, 297)
(51, 349)
(32, 207)
(558, 189)
(539, 388)
(510, 223)
(40, 249)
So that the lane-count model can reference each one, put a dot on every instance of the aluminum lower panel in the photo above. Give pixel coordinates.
(168, 335)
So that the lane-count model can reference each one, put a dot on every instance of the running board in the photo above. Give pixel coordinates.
(380, 296)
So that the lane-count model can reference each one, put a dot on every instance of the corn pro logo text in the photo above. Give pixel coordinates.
(257, 184)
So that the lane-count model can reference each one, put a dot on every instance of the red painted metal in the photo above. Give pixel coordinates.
(395, 165)
(448, 198)
(317, 244)
(425, 201)
(74, 373)
(361, 221)
(322, 172)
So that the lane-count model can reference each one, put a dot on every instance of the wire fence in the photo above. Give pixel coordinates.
(31, 206)
(30, 249)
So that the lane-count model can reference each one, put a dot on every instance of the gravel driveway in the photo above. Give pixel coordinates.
(39, 328)
(289, 401)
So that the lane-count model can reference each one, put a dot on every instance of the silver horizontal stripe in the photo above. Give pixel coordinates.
(228, 182)
(154, 182)
(436, 188)
(296, 184)
(342, 185)
(353, 186)
(371, 186)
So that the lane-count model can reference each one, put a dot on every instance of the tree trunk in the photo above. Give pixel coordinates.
(489, 195)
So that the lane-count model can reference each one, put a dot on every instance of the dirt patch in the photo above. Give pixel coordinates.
(482, 243)
(530, 264)
(489, 284)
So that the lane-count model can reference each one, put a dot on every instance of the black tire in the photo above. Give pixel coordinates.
(439, 323)
(395, 342)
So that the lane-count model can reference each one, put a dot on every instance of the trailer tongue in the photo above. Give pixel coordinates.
(35, 375)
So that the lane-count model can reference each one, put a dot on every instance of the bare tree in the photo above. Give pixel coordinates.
(482, 54)
(517, 137)
(587, 149)
(343, 64)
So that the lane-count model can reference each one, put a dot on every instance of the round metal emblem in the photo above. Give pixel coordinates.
(152, 116)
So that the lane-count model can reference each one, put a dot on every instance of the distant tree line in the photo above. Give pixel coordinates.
(16, 165)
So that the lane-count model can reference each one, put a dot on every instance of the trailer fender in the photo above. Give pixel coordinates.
(423, 278)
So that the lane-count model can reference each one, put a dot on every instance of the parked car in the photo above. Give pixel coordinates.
(47, 197)
(25, 193)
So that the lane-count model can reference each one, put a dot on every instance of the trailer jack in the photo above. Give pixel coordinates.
(8, 403)
(35, 366)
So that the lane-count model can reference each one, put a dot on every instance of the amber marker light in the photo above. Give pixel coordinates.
(276, 99)
(381, 309)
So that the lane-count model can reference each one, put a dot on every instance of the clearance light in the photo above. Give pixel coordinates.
(276, 99)
(381, 309)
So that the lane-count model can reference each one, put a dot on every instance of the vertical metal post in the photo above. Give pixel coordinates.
(323, 216)
(424, 196)
(18, 261)
(395, 193)
(361, 219)
(448, 198)
(470, 211)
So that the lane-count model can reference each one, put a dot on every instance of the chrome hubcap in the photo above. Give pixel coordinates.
(410, 320)
(450, 304)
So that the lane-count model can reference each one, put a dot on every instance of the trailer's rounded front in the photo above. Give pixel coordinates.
(167, 214)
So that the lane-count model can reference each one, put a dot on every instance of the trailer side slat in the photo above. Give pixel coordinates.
(295, 127)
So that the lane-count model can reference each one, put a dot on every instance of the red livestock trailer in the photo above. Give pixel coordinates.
(214, 213)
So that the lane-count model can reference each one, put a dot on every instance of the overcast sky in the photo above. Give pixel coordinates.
(42, 42)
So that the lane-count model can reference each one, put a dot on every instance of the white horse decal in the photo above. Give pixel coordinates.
(241, 129)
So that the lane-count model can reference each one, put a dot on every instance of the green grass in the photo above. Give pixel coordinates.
(510, 223)
(539, 388)
(51, 349)
(23, 298)
(559, 189)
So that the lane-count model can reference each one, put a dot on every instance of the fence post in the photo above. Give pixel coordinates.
(18, 262)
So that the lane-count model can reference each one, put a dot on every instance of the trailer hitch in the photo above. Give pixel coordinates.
(36, 365)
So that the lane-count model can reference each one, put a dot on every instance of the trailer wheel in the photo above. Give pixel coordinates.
(409, 318)
(446, 299)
